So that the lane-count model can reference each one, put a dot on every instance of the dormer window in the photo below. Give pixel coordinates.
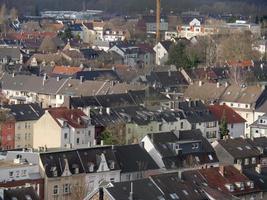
(91, 167)
(195, 146)
(112, 165)
(76, 170)
(230, 187)
(253, 160)
(54, 171)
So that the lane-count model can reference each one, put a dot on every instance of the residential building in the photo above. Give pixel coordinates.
(180, 150)
(235, 123)
(199, 117)
(62, 128)
(162, 52)
(63, 175)
(163, 186)
(238, 152)
(25, 116)
(227, 179)
(19, 173)
(245, 100)
(195, 28)
(259, 128)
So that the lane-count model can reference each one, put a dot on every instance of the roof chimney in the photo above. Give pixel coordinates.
(58, 78)
(218, 85)
(131, 192)
(200, 83)
(222, 170)
(108, 111)
(81, 79)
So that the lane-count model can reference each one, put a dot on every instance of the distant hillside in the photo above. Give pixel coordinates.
(255, 7)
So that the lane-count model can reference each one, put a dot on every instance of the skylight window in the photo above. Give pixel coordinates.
(185, 192)
(174, 196)
(248, 147)
(197, 158)
(240, 148)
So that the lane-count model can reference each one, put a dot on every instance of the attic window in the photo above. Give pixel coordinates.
(210, 157)
(185, 192)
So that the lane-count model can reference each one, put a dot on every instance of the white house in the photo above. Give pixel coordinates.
(162, 52)
(259, 127)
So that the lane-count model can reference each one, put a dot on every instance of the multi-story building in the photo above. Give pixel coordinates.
(24, 115)
(62, 127)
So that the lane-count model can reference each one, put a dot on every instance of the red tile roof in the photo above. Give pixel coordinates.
(231, 116)
(73, 117)
(66, 70)
(244, 63)
(216, 179)
(30, 35)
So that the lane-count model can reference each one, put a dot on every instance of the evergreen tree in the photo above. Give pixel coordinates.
(223, 126)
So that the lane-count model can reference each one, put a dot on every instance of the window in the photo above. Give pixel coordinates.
(66, 188)
(210, 157)
(55, 190)
(211, 134)
(253, 160)
(17, 174)
(23, 172)
(65, 135)
(195, 146)
(182, 125)
(239, 161)
(78, 140)
(112, 180)
(232, 125)
(89, 133)
(160, 127)
(246, 161)
(11, 174)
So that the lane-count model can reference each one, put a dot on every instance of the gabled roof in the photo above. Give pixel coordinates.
(28, 83)
(92, 157)
(25, 112)
(239, 148)
(196, 112)
(165, 144)
(73, 117)
(97, 75)
(221, 111)
(172, 186)
(219, 177)
(166, 44)
(56, 161)
(204, 91)
(133, 158)
(142, 189)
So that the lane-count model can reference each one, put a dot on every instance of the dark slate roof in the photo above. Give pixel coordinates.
(260, 179)
(165, 143)
(260, 143)
(170, 184)
(143, 189)
(56, 160)
(97, 75)
(196, 112)
(90, 53)
(92, 156)
(167, 44)
(21, 194)
(167, 79)
(132, 158)
(25, 112)
(117, 100)
(239, 148)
